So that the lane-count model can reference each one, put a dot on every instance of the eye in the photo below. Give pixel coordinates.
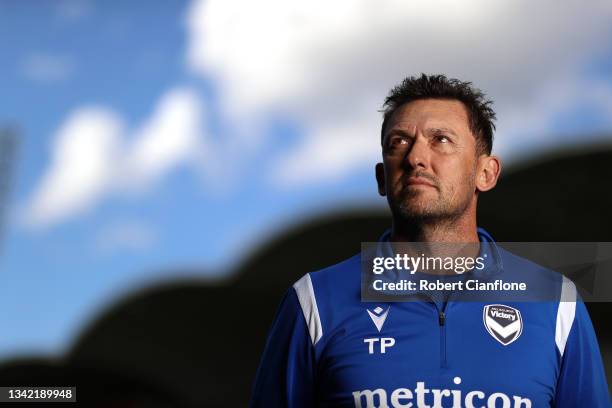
(396, 141)
(442, 139)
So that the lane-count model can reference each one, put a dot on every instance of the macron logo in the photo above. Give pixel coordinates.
(378, 316)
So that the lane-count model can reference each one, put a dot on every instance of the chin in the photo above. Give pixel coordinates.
(417, 210)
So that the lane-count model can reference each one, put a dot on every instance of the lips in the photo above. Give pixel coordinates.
(418, 181)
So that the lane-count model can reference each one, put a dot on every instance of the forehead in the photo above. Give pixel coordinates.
(431, 113)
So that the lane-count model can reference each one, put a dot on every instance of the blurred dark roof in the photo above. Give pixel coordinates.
(565, 198)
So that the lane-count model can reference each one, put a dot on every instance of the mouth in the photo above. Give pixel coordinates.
(419, 181)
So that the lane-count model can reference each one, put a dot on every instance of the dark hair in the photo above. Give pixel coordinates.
(480, 113)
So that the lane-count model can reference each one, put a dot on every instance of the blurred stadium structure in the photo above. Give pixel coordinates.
(192, 344)
(8, 150)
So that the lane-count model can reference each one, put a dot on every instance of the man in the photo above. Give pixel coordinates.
(328, 348)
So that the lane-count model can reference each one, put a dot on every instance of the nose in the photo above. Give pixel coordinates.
(417, 157)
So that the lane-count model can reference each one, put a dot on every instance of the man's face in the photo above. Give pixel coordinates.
(429, 160)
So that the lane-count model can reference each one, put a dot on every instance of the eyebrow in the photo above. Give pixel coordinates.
(434, 130)
(441, 130)
(397, 132)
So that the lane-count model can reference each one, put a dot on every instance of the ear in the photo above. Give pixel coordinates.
(489, 168)
(380, 179)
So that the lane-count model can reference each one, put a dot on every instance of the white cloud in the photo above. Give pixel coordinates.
(168, 138)
(81, 167)
(93, 156)
(329, 154)
(46, 67)
(329, 64)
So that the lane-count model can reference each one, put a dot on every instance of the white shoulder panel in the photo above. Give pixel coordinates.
(565, 313)
(305, 294)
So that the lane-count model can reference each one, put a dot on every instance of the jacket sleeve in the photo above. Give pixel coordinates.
(285, 377)
(582, 380)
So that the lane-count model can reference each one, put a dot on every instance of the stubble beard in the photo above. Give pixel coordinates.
(411, 206)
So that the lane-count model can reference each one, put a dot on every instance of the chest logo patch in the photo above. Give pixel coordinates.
(378, 316)
(504, 323)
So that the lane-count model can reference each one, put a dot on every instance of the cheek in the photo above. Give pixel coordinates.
(456, 176)
(393, 173)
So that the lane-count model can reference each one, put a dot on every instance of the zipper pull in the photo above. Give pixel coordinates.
(441, 318)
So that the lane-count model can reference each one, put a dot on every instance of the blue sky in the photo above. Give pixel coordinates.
(160, 137)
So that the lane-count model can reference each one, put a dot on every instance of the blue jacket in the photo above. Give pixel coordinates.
(327, 348)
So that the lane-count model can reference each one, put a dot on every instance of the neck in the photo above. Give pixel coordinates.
(461, 230)
(427, 233)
